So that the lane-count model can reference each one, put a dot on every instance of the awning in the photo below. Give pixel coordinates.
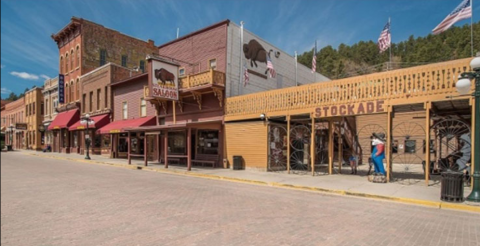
(120, 125)
(99, 122)
(155, 128)
(65, 119)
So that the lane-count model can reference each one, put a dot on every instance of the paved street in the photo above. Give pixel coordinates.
(54, 202)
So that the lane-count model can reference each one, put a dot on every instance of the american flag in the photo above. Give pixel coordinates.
(314, 59)
(270, 67)
(461, 12)
(245, 75)
(385, 40)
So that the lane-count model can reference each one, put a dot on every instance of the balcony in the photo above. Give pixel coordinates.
(203, 80)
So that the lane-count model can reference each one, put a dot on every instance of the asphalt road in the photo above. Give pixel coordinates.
(54, 202)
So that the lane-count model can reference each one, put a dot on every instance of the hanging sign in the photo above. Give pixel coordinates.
(61, 88)
(164, 81)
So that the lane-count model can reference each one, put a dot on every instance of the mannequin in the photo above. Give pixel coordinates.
(378, 154)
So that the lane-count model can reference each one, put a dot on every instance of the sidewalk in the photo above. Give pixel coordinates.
(351, 185)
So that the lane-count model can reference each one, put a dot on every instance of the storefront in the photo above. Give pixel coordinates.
(62, 139)
(78, 131)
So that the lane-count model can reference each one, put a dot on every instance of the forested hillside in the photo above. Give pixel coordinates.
(364, 57)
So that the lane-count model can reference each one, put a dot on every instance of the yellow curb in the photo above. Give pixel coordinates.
(439, 205)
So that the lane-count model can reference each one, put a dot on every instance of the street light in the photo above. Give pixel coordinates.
(11, 127)
(463, 87)
(85, 120)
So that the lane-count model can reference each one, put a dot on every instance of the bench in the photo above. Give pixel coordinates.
(206, 159)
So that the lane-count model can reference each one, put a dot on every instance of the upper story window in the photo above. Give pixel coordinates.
(77, 86)
(90, 106)
(181, 72)
(106, 97)
(125, 110)
(47, 111)
(42, 111)
(99, 96)
(33, 108)
(66, 63)
(61, 65)
(72, 60)
(103, 57)
(78, 56)
(143, 107)
(124, 61)
(212, 64)
(142, 66)
(84, 99)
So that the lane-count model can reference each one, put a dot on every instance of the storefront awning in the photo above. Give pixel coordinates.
(99, 122)
(154, 128)
(65, 119)
(121, 125)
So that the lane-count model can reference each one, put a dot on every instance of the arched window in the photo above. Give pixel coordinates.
(72, 92)
(61, 64)
(66, 63)
(72, 60)
(66, 92)
(77, 88)
(78, 56)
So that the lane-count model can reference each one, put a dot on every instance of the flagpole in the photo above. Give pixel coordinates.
(315, 55)
(389, 67)
(471, 28)
(296, 81)
(241, 58)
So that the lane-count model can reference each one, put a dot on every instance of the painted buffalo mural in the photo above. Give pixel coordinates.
(164, 76)
(254, 51)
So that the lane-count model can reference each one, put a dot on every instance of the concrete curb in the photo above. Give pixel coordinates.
(439, 205)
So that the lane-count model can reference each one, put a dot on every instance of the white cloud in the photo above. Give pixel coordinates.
(6, 91)
(44, 76)
(25, 75)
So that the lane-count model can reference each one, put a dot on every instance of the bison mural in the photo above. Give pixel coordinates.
(163, 75)
(255, 52)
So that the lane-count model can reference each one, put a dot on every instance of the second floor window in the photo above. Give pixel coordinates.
(84, 99)
(106, 97)
(143, 107)
(42, 109)
(124, 61)
(125, 111)
(66, 63)
(103, 57)
(99, 96)
(91, 102)
(142, 66)
(181, 72)
(212, 64)
(33, 108)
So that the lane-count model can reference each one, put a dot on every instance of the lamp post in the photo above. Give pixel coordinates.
(463, 87)
(85, 120)
(11, 127)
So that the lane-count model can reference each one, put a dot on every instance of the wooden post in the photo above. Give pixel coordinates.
(165, 148)
(428, 105)
(330, 146)
(157, 149)
(174, 113)
(388, 148)
(340, 147)
(189, 149)
(312, 145)
(472, 162)
(145, 150)
(129, 140)
(288, 143)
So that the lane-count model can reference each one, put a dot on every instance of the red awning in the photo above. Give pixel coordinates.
(65, 119)
(120, 125)
(99, 122)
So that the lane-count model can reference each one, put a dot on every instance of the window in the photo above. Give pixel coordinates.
(78, 56)
(181, 72)
(46, 107)
(72, 92)
(26, 110)
(106, 96)
(143, 107)
(142, 66)
(91, 102)
(207, 142)
(103, 57)
(77, 87)
(99, 96)
(61, 64)
(125, 110)
(66, 63)
(84, 99)
(105, 141)
(72, 60)
(66, 92)
(124, 61)
(212, 64)
(176, 142)
(97, 141)
(33, 108)
(410, 146)
(42, 111)
(395, 146)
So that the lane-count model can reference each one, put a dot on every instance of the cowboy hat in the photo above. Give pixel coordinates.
(379, 135)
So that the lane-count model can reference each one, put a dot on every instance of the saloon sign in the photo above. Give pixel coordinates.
(350, 109)
(164, 82)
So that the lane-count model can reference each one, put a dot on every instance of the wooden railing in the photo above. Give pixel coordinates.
(421, 81)
(210, 77)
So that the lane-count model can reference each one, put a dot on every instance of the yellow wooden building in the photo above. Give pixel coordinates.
(316, 128)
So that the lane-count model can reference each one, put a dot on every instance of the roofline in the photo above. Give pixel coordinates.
(103, 67)
(227, 21)
(129, 79)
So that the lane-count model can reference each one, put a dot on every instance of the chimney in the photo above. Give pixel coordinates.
(151, 42)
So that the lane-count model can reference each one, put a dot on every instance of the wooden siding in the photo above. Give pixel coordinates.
(249, 140)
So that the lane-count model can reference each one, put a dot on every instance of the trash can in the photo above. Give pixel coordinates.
(452, 186)
(237, 162)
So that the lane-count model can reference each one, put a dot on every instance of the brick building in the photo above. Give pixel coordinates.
(84, 46)
(50, 101)
(34, 111)
(14, 115)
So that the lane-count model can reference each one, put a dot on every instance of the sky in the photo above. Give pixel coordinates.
(29, 55)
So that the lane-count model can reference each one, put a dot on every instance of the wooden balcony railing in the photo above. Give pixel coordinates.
(210, 77)
(418, 82)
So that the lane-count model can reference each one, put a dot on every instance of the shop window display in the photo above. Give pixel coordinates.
(106, 140)
(97, 141)
(176, 142)
(207, 142)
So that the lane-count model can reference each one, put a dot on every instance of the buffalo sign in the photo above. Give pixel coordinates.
(164, 82)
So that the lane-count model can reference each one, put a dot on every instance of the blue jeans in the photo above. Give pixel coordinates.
(378, 164)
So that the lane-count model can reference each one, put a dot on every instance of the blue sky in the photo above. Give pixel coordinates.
(29, 55)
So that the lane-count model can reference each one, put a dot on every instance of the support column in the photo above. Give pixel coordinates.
(157, 149)
(145, 150)
(174, 113)
(129, 140)
(165, 148)
(340, 147)
(288, 143)
(388, 148)
(330, 146)
(428, 106)
(312, 145)
(189, 149)
(472, 162)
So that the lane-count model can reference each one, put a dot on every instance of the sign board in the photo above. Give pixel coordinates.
(61, 88)
(164, 80)
(21, 126)
(350, 109)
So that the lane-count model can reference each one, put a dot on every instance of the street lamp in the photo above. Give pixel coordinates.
(463, 87)
(85, 120)
(11, 127)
